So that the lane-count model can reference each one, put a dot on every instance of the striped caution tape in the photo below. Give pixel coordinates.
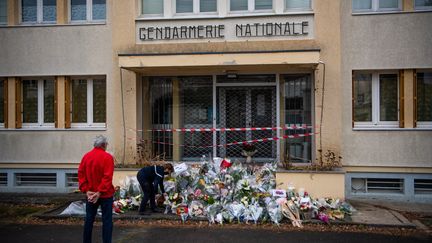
(289, 127)
(240, 142)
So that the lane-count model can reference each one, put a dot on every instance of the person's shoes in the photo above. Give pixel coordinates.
(143, 213)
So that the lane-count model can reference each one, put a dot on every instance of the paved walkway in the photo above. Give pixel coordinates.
(132, 234)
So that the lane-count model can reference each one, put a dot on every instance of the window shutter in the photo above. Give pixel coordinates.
(415, 97)
(352, 100)
(67, 102)
(401, 99)
(55, 103)
(5, 103)
(18, 103)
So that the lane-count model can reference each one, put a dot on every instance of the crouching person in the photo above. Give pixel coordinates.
(95, 175)
(150, 178)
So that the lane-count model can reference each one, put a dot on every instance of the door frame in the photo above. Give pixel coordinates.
(276, 84)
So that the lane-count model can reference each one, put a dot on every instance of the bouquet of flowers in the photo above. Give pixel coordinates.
(249, 147)
(182, 211)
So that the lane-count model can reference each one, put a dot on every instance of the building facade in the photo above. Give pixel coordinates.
(300, 79)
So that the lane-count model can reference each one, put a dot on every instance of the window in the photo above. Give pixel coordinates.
(87, 10)
(296, 5)
(423, 4)
(38, 102)
(251, 5)
(3, 12)
(2, 100)
(38, 11)
(376, 101)
(195, 6)
(88, 103)
(424, 99)
(376, 5)
(152, 7)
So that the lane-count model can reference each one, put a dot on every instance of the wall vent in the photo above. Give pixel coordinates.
(377, 185)
(71, 179)
(36, 179)
(3, 179)
(423, 186)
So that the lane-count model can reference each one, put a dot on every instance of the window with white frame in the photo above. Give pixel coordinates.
(424, 98)
(2, 97)
(298, 5)
(152, 7)
(38, 11)
(251, 5)
(87, 10)
(376, 99)
(88, 102)
(38, 102)
(376, 5)
(195, 6)
(422, 4)
(3, 12)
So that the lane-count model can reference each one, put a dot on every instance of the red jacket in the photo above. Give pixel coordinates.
(95, 173)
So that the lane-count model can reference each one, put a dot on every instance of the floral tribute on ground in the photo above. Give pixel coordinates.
(239, 193)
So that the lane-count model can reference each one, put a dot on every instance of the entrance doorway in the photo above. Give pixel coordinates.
(247, 107)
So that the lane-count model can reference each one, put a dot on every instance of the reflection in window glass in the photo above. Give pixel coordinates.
(99, 101)
(363, 97)
(79, 101)
(29, 10)
(297, 4)
(388, 3)
(388, 97)
(152, 7)
(263, 4)
(49, 10)
(49, 101)
(298, 110)
(238, 5)
(424, 96)
(208, 5)
(30, 101)
(184, 6)
(3, 11)
(2, 96)
(78, 10)
(423, 3)
(196, 109)
(161, 102)
(361, 4)
(99, 9)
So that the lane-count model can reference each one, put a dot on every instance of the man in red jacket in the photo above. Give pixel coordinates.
(95, 175)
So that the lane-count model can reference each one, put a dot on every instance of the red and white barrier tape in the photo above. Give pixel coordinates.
(290, 127)
(241, 142)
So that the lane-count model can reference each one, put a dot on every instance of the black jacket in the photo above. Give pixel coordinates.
(152, 174)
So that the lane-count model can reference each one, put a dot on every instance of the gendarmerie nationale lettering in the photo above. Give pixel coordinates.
(272, 29)
(218, 31)
(182, 32)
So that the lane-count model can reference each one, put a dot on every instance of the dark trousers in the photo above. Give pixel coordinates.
(107, 223)
(149, 194)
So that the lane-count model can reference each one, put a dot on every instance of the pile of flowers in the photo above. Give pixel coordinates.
(238, 193)
(242, 193)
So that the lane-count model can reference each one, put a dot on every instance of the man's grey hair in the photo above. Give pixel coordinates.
(100, 141)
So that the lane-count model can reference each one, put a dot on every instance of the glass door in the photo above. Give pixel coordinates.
(246, 107)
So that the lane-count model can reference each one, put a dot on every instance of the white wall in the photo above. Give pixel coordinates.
(56, 50)
(384, 41)
(53, 50)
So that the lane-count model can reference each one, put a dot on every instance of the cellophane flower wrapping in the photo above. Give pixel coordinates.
(274, 212)
(224, 194)
(212, 211)
(237, 210)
